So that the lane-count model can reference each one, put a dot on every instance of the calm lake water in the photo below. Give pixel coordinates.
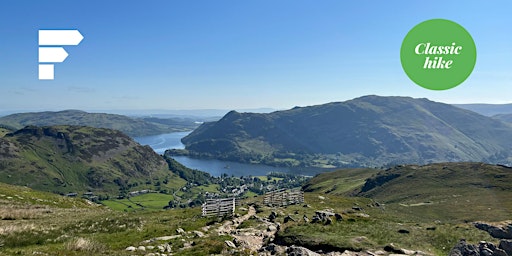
(161, 142)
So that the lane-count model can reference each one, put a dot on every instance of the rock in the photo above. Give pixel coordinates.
(499, 252)
(151, 254)
(198, 234)
(300, 251)
(362, 215)
(230, 244)
(499, 231)
(315, 219)
(338, 217)
(321, 197)
(161, 248)
(392, 248)
(288, 218)
(483, 249)
(305, 218)
(150, 247)
(130, 248)
(271, 228)
(306, 206)
(506, 245)
(328, 221)
(180, 231)
(403, 231)
(141, 248)
(357, 208)
(165, 238)
(168, 248)
(272, 216)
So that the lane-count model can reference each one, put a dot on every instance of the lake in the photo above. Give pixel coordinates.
(161, 142)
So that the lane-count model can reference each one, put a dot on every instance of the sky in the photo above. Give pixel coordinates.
(148, 55)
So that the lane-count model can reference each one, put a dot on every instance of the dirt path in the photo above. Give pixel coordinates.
(248, 238)
(230, 226)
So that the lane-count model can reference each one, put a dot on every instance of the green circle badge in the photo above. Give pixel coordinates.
(438, 54)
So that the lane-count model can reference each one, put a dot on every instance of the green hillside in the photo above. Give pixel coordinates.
(448, 191)
(367, 131)
(73, 159)
(134, 127)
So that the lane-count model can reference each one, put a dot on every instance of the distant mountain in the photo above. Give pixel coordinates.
(134, 127)
(366, 131)
(466, 191)
(504, 117)
(487, 109)
(65, 159)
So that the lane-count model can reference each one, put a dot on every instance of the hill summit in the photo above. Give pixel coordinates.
(366, 131)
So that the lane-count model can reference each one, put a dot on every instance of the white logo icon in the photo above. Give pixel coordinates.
(52, 52)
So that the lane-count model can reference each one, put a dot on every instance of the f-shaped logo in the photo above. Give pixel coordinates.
(52, 52)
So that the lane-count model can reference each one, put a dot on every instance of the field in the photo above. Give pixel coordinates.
(150, 201)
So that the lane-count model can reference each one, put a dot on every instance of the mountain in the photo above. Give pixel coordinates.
(487, 109)
(134, 127)
(450, 191)
(72, 159)
(366, 131)
(504, 117)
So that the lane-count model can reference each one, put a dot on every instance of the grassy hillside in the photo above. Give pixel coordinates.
(450, 191)
(372, 219)
(66, 159)
(33, 222)
(427, 208)
(367, 131)
(134, 127)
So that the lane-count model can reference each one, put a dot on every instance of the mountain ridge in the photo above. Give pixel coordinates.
(134, 127)
(366, 131)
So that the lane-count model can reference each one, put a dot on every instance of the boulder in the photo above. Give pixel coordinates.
(131, 248)
(272, 216)
(198, 234)
(272, 228)
(288, 219)
(482, 249)
(180, 231)
(230, 244)
(300, 251)
(499, 231)
(506, 245)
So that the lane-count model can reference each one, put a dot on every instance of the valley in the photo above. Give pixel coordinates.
(410, 183)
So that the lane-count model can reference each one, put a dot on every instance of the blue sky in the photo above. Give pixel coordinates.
(238, 54)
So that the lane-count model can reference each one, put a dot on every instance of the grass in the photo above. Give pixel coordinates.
(150, 201)
(265, 178)
(380, 229)
(212, 188)
(43, 223)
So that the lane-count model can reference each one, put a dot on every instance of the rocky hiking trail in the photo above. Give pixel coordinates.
(255, 238)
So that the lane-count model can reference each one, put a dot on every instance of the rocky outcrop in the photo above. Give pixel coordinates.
(463, 248)
(500, 231)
